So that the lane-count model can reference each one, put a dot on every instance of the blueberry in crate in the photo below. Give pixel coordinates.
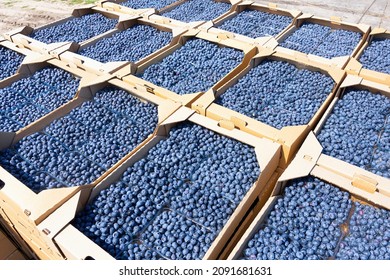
(352, 131)
(198, 10)
(194, 67)
(322, 40)
(9, 62)
(380, 159)
(29, 99)
(278, 94)
(254, 23)
(78, 148)
(369, 235)
(138, 251)
(173, 172)
(102, 135)
(40, 153)
(122, 211)
(176, 237)
(202, 205)
(377, 55)
(132, 44)
(303, 224)
(77, 29)
(144, 4)
(7, 124)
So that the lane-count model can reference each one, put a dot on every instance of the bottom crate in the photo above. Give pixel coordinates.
(180, 196)
(326, 215)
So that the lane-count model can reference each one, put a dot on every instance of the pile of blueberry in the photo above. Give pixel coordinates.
(77, 29)
(144, 4)
(254, 23)
(132, 44)
(304, 223)
(198, 10)
(377, 55)
(357, 131)
(29, 99)
(194, 67)
(369, 235)
(78, 148)
(175, 200)
(10, 62)
(322, 40)
(278, 94)
(315, 220)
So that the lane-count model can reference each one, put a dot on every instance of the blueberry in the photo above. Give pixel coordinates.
(369, 234)
(298, 227)
(144, 4)
(29, 99)
(198, 10)
(182, 172)
(357, 131)
(254, 23)
(278, 93)
(194, 67)
(78, 148)
(322, 40)
(77, 29)
(10, 62)
(377, 55)
(132, 44)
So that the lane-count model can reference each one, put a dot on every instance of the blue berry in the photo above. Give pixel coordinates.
(322, 40)
(29, 99)
(176, 237)
(132, 44)
(356, 132)
(198, 10)
(278, 94)
(202, 205)
(78, 148)
(303, 224)
(187, 172)
(77, 29)
(9, 62)
(377, 55)
(136, 251)
(254, 23)
(144, 4)
(196, 66)
(369, 235)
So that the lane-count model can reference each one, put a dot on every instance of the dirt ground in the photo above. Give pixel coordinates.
(17, 13)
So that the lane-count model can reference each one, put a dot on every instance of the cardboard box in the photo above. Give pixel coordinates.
(25, 210)
(98, 68)
(212, 26)
(127, 73)
(20, 36)
(74, 245)
(289, 137)
(334, 23)
(354, 67)
(309, 161)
